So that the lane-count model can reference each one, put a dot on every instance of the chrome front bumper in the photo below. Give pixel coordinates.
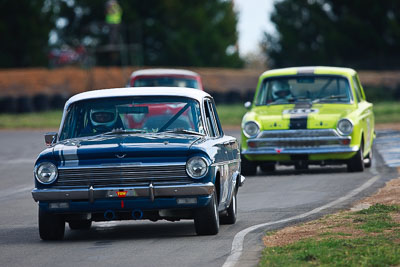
(90, 194)
(314, 141)
(315, 150)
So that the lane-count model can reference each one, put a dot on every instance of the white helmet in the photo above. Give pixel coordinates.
(103, 117)
(280, 89)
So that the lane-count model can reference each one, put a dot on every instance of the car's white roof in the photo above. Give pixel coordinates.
(163, 72)
(139, 91)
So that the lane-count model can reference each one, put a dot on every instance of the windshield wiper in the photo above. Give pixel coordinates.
(328, 98)
(182, 131)
(122, 131)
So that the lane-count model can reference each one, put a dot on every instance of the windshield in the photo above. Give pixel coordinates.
(166, 81)
(314, 89)
(132, 115)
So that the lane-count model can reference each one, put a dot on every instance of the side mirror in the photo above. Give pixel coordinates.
(50, 138)
(247, 105)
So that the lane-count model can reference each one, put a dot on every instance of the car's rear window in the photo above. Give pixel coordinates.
(166, 81)
(312, 88)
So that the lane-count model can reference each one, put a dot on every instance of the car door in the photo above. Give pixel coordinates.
(230, 166)
(367, 120)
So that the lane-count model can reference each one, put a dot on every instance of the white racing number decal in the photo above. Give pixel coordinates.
(300, 111)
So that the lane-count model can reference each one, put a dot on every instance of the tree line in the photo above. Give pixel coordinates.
(363, 34)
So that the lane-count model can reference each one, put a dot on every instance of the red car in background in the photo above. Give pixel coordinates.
(165, 78)
(161, 78)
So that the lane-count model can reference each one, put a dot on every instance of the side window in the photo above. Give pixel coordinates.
(262, 96)
(217, 121)
(357, 89)
(209, 122)
(213, 119)
(360, 87)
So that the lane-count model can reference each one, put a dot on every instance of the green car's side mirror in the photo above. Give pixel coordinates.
(247, 105)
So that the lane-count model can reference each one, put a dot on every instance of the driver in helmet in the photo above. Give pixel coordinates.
(102, 120)
(281, 91)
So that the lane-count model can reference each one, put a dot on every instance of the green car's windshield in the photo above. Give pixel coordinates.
(313, 89)
(132, 115)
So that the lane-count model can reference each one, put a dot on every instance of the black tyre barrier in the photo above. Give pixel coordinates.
(24, 104)
(218, 97)
(248, 95)
(41, 102)
(8, 104)
(57, 101)
(233, 97)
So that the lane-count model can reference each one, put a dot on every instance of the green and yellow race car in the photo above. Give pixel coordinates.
(307, 115)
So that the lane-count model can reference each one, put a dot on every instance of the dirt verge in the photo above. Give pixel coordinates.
(338, 222)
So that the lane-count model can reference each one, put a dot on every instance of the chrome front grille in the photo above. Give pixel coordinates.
(122, 176)
(298, 139)
(299, 133)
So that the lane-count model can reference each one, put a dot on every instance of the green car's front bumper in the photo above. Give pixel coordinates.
(319, 144)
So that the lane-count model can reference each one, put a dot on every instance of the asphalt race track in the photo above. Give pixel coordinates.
(267, 197)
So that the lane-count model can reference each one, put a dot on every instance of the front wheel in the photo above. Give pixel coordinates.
(231, 212)
(356, 163)
(206, 220)
(51, 226)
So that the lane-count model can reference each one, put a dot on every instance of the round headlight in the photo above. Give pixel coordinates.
(197, 167)
(46, 172)
(345, 126)
(251, 129)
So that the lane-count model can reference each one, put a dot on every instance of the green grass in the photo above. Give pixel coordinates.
(230, 115)
(379, 246)
(387, 112)
(380, 250)
(376, 219)
(37, 120)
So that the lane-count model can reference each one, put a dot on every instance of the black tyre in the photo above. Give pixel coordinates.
(248, 167)
(206, 220)
(356, 163)
(231, 212)
(267, 167)
(51, 226)
(80, 225)
(368, 159)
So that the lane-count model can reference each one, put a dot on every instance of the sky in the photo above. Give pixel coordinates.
(253, 21)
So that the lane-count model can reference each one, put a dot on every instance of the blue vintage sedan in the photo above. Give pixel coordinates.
(138, 153)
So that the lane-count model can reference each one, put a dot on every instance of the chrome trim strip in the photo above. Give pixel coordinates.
(314, 150)
(110, 192)
(139, 164)
(91, 194)
(225, 162)
(151, 192)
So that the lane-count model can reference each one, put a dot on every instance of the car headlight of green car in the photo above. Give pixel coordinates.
(251, 129)
(345, 127)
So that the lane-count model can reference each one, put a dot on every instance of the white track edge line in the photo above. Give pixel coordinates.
(237, 243)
